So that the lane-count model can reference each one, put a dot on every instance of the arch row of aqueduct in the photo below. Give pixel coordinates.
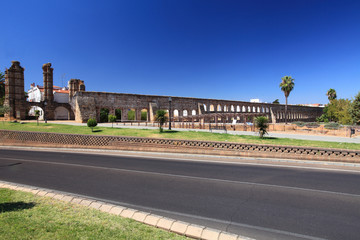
(85, 104)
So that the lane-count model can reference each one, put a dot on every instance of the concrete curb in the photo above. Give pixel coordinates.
(168, 224)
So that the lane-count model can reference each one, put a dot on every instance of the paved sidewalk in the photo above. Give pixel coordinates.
(271, 134)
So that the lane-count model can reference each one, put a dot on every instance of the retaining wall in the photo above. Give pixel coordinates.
(18, 138)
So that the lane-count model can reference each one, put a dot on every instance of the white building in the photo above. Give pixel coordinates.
(36, 94)
(61, 95)
(255, 100)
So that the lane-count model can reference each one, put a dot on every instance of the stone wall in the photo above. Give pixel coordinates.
(176, 145)
(182, 106)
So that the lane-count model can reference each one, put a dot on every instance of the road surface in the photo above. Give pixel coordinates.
(254, 200)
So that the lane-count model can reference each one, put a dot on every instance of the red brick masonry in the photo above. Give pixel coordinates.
(17, 138)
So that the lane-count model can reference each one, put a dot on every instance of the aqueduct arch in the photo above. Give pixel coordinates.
(85, 104)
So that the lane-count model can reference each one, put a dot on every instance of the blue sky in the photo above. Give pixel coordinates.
(200, 48)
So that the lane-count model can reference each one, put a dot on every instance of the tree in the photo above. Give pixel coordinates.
(91, 123)
(112, 119)
(331, 94)
(161, 118)
(355, 110)
(262, 124)
(118, 114)
(131, 115)
(4, 110)
(338, 110)
(276, 101)
(37, 115)
(287, 85)
(104, 115)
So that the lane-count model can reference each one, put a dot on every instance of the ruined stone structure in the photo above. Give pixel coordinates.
(14, 90)
(84, 105)
(15, 96)
(75, 85)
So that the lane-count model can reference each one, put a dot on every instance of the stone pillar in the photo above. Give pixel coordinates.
(138, 114)
(124, 114)
(48, 83)
(14, 91)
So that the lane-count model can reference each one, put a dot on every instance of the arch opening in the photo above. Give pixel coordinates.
(61, 113)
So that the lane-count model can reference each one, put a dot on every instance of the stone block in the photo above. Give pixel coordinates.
(58, 196)
(67, 198)
(179, 227)
(50, 195)
(210, 234)
(128, 213)
(34, 191)
(152, 220)
(42, 193)
(228, 236)
(95, 205)
(165, 223)
(140, 216)
(194, 231)
(86, 202)
(77, 200)
(106, 207)
(117, 210)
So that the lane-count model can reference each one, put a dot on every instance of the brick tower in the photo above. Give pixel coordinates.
(48, 83)
(14, 91)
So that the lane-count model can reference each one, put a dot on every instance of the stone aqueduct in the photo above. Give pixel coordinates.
(85, 104)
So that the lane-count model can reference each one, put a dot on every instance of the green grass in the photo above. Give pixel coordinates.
(190, 135)
(26, 216)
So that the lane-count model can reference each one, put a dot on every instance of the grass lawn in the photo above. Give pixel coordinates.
(27, 216)
(190, 135)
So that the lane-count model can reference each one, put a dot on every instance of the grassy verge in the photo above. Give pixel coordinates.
(26, 216)
(190, 135)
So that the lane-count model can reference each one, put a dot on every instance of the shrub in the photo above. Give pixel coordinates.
(262, 124)
(333, 126)
(161, 118)
(312, 125)
(323, 118)
(112, 119)
(91, 123)
(299, 124)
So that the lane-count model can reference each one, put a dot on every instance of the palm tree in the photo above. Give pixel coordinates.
(331, 94)
(161, 118)
(287, 84)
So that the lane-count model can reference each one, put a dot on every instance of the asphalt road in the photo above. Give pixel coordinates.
(259, 201)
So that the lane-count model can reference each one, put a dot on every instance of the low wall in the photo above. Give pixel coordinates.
(173, 145)
(278, 127)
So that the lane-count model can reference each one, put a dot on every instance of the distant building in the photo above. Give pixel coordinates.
(36, 94)
(255, 100)
(313, 105)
